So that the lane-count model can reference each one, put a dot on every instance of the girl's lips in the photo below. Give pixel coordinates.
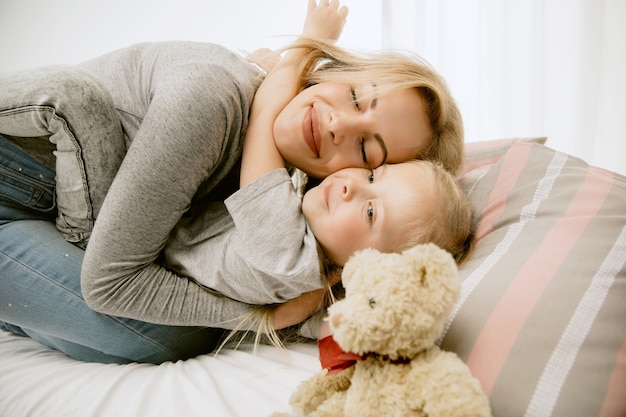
(326, 194)
(326, 191)
(309, 130)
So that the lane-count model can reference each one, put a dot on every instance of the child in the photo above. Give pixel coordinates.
(262, 247)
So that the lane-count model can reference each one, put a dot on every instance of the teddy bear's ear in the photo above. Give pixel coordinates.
(434, 267)
(364, 260)
(430, 259)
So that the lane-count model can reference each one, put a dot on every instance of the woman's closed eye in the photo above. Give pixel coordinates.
(366, 162)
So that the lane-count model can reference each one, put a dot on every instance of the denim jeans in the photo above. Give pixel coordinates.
(66, 110)
(40, 294)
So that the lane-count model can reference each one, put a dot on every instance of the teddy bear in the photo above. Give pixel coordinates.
(385, 328)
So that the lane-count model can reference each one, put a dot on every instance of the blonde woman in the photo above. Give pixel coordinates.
(169, 121)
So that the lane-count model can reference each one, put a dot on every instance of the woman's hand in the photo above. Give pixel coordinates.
(324, 20)
(299, 309)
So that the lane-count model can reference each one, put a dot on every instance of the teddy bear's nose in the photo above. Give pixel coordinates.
(335, 320)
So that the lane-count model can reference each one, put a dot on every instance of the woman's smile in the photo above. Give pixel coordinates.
(310, 130)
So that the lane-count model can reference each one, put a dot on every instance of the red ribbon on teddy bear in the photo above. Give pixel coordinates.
(333, 358)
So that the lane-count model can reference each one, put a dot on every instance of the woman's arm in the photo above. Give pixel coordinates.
(260, 155)
(298, 309)
(190, 132)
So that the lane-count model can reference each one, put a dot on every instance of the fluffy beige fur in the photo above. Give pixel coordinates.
(394, 311)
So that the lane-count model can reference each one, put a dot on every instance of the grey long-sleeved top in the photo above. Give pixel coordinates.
(184, 109)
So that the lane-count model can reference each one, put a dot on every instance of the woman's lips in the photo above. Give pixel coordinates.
(310, 132)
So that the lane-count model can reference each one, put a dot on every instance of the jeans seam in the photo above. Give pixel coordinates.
(79, 296)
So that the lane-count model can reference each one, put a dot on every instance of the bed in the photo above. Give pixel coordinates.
(541, 320)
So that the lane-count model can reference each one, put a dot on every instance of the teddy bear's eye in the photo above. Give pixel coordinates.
(372, 303)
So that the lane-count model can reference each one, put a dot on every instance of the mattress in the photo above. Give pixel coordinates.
(38, 381)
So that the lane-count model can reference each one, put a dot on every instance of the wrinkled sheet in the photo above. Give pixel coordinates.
(38, 381)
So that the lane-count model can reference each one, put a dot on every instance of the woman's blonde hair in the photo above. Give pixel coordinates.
(390, 71)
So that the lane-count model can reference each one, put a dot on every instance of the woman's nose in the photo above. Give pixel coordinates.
(342, 126)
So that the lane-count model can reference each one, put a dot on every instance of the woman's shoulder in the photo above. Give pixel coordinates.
(169, 62)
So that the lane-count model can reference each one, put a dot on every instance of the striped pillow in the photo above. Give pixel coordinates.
(542, 316)
(487, 153)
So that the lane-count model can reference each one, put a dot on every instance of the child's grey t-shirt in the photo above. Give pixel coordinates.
(255, 247)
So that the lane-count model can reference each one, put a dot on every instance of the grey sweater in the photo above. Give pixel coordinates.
(184, 109)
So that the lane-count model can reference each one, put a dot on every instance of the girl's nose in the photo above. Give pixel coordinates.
(348, 189)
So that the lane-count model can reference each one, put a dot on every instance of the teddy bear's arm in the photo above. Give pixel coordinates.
(448, 388)
(332, 407)
(314, 391)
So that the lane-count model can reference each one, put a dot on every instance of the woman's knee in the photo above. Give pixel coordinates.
(59, 86)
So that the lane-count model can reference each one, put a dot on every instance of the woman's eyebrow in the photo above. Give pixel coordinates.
(374, 100)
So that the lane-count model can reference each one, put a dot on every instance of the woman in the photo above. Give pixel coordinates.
(183, 112)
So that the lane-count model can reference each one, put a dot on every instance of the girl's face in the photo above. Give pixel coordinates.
(328, 127)
(356, 208)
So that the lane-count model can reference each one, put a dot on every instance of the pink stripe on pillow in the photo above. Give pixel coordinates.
(615, 399)
(517, 303)
(565, 353)
(515, 163)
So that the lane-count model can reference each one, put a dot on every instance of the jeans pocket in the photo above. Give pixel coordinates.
(25, 181)
(26, 191)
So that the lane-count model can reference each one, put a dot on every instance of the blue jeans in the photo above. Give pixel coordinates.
(66, 110)
(40, 293)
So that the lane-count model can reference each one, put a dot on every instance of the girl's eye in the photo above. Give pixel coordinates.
(355, 101)
(370, 212)
(370, 178)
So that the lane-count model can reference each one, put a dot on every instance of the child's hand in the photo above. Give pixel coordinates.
(265, 58)
(324, 21)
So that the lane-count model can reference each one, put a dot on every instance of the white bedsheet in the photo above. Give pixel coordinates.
(38, 381)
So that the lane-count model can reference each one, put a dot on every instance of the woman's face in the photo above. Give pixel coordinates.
(356, 208)
(330, 126)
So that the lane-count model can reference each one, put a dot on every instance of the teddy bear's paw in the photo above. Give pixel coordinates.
(317, 389)
(332, 407)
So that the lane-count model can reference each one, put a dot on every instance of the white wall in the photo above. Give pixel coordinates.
(554, 68)
(37, 32)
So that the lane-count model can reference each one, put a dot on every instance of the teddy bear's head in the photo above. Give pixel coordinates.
(396, 303)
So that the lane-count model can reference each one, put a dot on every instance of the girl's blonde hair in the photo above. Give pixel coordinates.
(390, 71)
(449, 223)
